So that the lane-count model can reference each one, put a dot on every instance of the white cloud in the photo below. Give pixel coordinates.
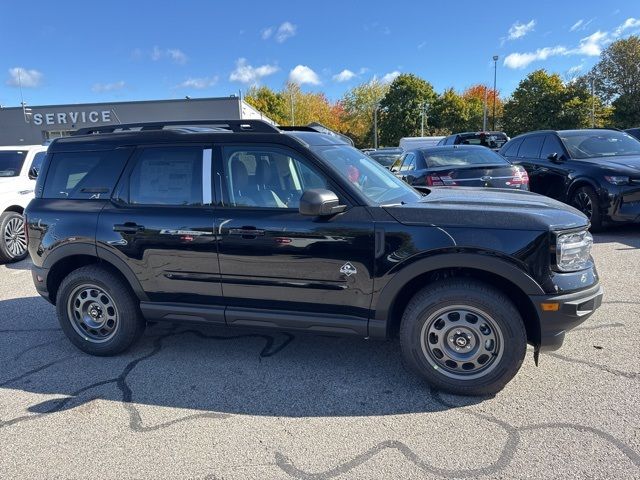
(174, 54)
(592, 45)
(302, 74)
(519, 30)
(245, 73)
(390, 77)
(629, 23)
(28, 78)
(198, 83)
(421, 45)
(281, 33)
(108, 87)
(575, 70)
(576, 25)
(285, 30)
(344, 76)
(177, 55)
(522, 60)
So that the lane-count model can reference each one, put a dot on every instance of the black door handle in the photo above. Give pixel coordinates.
(246, 232)
(128, 228)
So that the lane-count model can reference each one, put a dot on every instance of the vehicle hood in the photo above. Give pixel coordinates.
(488, 208)
(630, 162)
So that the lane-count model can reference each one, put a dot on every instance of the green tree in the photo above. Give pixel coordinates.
(543, 101)
(270, 103)
(449, 112)
(359, 104)
(403, 104)
(617, 79)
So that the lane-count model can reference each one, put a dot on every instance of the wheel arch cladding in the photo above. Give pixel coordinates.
(515, 283)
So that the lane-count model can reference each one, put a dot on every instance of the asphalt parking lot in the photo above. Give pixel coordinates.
(218, 404)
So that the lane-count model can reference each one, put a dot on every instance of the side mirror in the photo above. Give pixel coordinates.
(33, 173)
(555, 158)
(319, 202)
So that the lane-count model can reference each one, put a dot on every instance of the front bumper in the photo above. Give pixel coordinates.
(573, 309)
(39, 276)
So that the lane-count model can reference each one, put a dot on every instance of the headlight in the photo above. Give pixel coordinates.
(573, 251)
(617, 180)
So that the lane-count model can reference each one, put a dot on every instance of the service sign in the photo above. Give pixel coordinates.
(71, 118)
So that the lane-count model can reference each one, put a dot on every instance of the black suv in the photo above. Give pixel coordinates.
(492, 140)
(242, 224)
(596, 171)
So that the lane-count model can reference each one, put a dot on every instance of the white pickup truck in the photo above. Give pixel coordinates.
(19, 167)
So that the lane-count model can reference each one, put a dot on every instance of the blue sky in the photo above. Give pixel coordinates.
(74, 52)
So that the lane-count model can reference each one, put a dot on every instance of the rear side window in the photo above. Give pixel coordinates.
(531, 147)
(84, 175)
(169, 176)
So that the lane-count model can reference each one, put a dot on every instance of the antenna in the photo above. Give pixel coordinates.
(26, 111)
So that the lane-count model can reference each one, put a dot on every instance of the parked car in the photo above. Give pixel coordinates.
(411, 143)
(386, 156)
(634, 132)
(19, 168)
(492, 140)
(238, 223)
(596, 171)
(459, 165)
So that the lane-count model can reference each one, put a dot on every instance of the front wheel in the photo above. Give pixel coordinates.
(463, 337)
(586, 200)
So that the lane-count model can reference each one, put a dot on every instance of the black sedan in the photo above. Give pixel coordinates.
(459, 165)
(596, 171)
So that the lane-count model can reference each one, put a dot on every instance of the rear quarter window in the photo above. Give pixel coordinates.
(84, 175)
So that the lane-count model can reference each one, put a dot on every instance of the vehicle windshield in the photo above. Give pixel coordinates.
(593, 144)
(462, 157)
(11, 162)
(376, 182)
(385, 159)
(491, 140)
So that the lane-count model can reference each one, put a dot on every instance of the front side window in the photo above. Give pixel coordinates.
(267, 177)
(597, 144)
(38, 158)
(11, 162)
(168, 176)
(377, 183)
(551, 145)
(531, 147)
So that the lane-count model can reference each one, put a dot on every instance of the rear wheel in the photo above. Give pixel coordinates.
(585, 199)
(463, 337)
(13, 243)
(98, 312)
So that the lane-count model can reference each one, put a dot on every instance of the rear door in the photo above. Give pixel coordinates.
(281, 268)
(161, 225)
(529, 157)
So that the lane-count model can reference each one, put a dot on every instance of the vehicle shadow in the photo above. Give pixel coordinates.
(217, 371)
(625, 234)
(21, 265)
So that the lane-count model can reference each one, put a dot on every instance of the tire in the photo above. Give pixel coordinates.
(13, 239)
(461, 313)
(586, 200)
(98, 311)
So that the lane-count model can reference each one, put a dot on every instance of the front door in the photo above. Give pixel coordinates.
(281, 268)
(161, 224)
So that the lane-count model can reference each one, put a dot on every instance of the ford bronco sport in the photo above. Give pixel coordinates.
(243, 224)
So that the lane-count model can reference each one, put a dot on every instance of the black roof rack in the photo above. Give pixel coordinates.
(318, 128)
(236, 126)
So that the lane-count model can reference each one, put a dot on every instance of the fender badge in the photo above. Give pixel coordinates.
(348, 269)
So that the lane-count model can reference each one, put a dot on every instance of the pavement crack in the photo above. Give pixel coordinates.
(603, 368)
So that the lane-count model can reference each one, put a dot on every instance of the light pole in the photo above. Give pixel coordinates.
(495, 74)
(593, 103)
(423, 115)
(375, 125)
(484, 110)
